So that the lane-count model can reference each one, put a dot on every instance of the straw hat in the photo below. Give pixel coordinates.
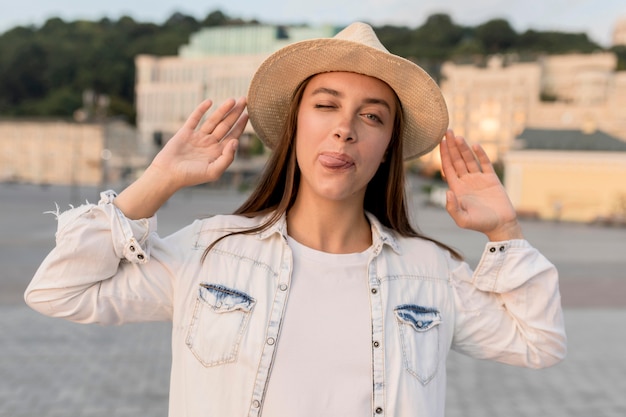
(354, 49)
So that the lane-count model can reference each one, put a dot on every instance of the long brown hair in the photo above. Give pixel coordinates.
(277, 188)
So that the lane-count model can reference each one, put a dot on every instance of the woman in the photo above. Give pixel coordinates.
(317, 296)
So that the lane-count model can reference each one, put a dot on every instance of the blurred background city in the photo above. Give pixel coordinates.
(89, 96)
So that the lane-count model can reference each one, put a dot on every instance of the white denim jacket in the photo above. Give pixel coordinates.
(227, 310)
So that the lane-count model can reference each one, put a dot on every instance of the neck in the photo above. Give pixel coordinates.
(330, 226)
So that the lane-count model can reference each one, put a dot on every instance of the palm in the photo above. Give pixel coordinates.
(476, 200)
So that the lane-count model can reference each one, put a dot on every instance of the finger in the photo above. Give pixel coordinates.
(232, 122)
(446, 164)
(196, 116)
(453, 208)
(219, 165)
(239, 126)
(458, 165)
(469, 159)
(485, 163)
(222, 120)
(214, 118)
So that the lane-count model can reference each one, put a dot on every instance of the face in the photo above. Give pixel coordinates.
(344, 127)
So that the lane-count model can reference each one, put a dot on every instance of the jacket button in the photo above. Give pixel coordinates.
(376, 344)
(270, 341)
(256, 403)
(492, 250)
(140, 257)
(379, 410)
(501, 248)
(283, 287)
(374, 291)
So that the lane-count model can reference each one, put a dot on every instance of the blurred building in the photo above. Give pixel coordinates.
(619, 33)
(568, 175)
(44, 151)
(558, 126)
(218, 63)
(492, 104)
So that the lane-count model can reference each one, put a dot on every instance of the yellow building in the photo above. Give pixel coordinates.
(568, 175)
(42, 151)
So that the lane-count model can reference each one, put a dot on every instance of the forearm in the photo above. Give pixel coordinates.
(143, 198)
(510, 309)
(99, 271)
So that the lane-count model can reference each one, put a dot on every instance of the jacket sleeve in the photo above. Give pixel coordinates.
(509, 308)
(102, 269)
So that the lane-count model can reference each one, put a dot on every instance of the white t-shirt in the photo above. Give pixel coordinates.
(323, 364)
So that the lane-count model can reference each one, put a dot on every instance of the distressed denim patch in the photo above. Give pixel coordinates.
(220, 318)
(419, 336)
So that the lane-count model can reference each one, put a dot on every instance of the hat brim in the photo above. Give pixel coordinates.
(272, 87)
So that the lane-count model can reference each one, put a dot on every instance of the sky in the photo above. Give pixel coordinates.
(595, 17)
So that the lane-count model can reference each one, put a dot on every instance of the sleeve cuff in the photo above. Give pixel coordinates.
(492, 265)
(130, 237)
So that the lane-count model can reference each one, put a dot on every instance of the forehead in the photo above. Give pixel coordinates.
(348, 83)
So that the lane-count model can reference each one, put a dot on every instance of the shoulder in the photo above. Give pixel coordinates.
(403, 245)
(230, 221)
(409, 246)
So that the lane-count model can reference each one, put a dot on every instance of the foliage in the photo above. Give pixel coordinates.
(48, 70)
(620, 51)
(496, 36)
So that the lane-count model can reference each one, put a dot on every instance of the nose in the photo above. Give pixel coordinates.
(344, 130)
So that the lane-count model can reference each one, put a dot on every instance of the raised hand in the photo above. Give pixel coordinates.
(194, 155)
(476, 199)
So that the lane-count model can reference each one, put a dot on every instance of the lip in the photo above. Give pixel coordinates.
(335, 160)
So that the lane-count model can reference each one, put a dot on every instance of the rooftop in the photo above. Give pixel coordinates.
(569, 140)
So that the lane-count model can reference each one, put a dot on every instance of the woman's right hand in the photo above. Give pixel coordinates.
(196, 154)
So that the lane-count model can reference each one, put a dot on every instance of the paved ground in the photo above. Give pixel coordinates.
(52, 368)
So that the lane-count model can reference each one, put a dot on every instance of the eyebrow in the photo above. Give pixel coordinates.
(335, 93)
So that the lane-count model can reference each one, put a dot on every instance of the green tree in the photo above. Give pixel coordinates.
(620, 51)
(496, 36)
(215, 18)
(47, 70)
(556, 42)
(436, 38)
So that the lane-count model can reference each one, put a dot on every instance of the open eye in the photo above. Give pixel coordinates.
(373, 117)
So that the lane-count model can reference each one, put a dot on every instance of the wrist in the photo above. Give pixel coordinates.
(159, 181)
(509, 231)
(143, 198)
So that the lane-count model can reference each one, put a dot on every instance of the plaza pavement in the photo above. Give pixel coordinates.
(51, 368)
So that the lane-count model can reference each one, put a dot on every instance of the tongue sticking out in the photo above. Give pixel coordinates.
(330, 161)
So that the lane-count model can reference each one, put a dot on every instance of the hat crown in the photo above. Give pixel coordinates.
(361, 33)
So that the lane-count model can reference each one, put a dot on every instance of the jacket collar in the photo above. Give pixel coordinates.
(381, 235)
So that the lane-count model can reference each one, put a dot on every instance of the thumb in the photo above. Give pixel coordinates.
(452, 205)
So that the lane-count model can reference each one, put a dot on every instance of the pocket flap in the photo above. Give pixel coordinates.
(223, 299)
(419, 318)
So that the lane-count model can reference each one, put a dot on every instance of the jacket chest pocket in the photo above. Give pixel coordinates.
(419, 336)
(219, 321)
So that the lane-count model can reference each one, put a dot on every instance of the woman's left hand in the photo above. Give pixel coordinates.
(476, 199)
